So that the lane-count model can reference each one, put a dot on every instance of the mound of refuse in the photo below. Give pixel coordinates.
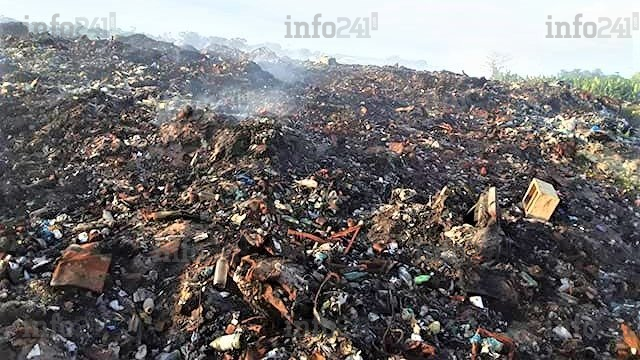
(157, 202)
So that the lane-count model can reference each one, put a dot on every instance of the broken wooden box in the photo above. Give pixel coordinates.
(541, 200)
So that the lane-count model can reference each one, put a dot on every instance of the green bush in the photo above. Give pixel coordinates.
(595, 82)
(614, 86)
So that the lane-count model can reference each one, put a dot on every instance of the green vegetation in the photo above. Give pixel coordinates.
(596, 82)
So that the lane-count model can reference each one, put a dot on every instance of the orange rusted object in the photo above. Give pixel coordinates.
(317, 356)
(397, 147)
(630, 340)
(422, 348)
(82, 266)
(350, 230)
(308, 236)
(276, 302)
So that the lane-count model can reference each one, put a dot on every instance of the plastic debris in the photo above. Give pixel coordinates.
(226, 342)
(435, 327)
(493, 344)
(141, 353)
(529, 281)
(476, 301)
(562, 333)
(421, 279)
(148, 306)
(220, 273)
(355, 275)
(310, 183)
(35, 352)
(50, 230)
(115, 305)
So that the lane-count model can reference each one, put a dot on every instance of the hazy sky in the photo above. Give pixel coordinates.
(456, 35)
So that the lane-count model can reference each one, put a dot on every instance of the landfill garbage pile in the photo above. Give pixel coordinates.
(161, 203)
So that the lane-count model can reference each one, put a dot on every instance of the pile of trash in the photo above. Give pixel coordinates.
(161, 203)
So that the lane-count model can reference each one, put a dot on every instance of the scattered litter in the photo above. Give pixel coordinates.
(493, 344)
(310, 183)
(562, 333)
(221, 271)
(476, 301)
(226, 342)
(115, 305)
(35, 352)
(148, 306)
(141, 353)
(421, 279)
(435, 327)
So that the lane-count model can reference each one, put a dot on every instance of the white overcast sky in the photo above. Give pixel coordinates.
(455, 35)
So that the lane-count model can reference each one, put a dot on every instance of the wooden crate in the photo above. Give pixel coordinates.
(541, 200)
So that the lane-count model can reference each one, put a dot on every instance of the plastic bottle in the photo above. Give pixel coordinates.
(220, 274)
